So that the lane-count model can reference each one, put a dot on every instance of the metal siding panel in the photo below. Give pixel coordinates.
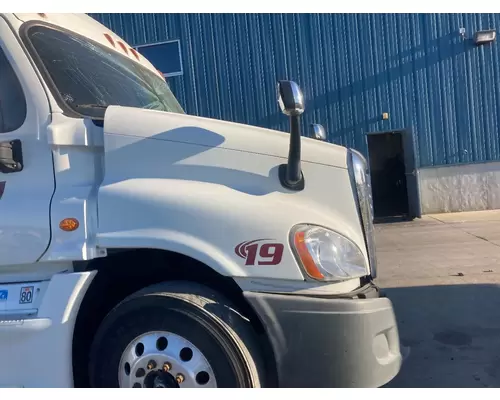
(494, 89)
(422, 89)
(208, 67)
(248, 72)
(491, 100)
(238, 70)
(265, 53)
(366, 84)
(471, 137)
(349, 24)
(341, 89)
(326, 101)
(432, 82)
(404, 98)
(460, 94)
(447, 97)
(222, 68)
(352, 68)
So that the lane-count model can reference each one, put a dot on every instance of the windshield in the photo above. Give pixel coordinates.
(89, 76)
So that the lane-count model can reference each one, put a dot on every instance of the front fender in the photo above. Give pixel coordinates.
(204, 221)
(178, 242)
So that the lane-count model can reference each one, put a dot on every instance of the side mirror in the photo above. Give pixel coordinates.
(291, 102)
(290, 98)
(318, 132)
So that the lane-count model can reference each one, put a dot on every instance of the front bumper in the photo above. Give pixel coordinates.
(335, 342)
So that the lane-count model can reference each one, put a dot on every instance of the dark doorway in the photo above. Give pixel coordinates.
(388, 172)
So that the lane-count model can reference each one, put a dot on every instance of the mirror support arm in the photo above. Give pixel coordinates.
(290, 174)
(291, 102)
(294, 171)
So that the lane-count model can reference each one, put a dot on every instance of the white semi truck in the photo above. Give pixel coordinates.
(143, 247)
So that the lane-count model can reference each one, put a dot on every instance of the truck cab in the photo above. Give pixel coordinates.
(144, 247)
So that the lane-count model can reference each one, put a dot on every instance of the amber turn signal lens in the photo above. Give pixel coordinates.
(305, 257)
(69, 224)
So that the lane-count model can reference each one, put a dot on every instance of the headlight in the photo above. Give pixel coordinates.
(326, 255)
(358, 168)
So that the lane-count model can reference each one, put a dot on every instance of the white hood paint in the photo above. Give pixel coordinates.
(160, 125)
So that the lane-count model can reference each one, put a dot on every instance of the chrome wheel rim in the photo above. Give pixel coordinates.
(164, 360)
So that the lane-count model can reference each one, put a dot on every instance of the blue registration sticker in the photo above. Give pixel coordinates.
(4, 294)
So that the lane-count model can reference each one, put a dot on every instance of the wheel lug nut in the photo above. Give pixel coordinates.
(179, 378)
(167, 367)
(151, 364)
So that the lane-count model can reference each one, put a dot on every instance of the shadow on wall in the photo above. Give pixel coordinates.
(453, 332)
(410, 62)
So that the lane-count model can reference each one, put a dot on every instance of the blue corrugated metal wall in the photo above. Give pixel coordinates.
(351, 67)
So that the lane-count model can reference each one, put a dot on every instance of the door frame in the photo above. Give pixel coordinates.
(411, 168)
(25, 226)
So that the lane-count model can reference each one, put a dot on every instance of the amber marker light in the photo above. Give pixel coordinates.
(69, 224)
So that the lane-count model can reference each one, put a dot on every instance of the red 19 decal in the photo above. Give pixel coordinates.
(256, 252)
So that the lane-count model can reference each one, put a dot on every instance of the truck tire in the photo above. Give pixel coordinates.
(175, 334)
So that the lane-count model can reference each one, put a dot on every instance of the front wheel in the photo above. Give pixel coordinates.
(175, 335)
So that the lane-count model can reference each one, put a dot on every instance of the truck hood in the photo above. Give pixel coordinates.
(182, 128)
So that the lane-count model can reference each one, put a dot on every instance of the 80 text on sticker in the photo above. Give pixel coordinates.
(26, 295)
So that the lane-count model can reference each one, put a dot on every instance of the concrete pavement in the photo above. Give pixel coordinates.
(442, 273)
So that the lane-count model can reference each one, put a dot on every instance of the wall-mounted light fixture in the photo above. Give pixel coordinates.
(484, 37)
(461, 32)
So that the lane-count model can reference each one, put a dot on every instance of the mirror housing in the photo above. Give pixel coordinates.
(291, 102)
(290, 98)
(318, 132)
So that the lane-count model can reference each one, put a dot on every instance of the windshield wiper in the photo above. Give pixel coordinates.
(91, 106)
